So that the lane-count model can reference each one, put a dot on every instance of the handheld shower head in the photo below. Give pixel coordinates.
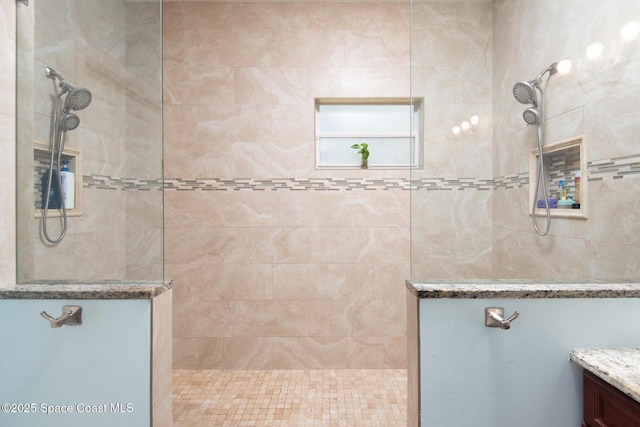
(531, 116)
(69, 121)
(77, 98)
(62, 121)
(525, 92)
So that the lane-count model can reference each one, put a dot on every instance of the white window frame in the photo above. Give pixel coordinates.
(353, 160)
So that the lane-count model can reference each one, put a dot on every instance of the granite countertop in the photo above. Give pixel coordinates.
(474, 289)
(85, 291)
(618, 367)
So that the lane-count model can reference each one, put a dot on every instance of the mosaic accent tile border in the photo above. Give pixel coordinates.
(452, 184)
(327, 184)
(616, 168)
(512, 181)
(598, 170)
(113, 183)
(290, 184)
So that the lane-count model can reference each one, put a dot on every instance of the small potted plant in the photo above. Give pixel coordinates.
(363, 150)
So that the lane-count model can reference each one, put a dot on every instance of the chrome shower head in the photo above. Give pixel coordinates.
(531, 116)
(77, 98)
(525, 92)
(69, 121)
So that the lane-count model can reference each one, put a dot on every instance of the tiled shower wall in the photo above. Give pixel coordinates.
(277, 264)
(87, 55)
(451, 69)
(603, 107)
(466, 57)
(112, 48)
(7, 141)
(598, 99)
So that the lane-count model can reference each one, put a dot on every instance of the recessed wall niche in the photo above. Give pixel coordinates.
(41, 159)
(564, 161)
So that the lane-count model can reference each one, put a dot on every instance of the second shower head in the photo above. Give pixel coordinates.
(69, 121)
(531, 116)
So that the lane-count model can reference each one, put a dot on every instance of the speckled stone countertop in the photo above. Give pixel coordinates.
(85, 291)
(486, 289)
(618, 367)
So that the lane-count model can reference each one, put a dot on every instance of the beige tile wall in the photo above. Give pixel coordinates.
(87, 50)
(281, 279)
(466, 56)
(451, 69)
(161, 361)
(109, 48)
(597, 99)
(143, 127)
(7, 141)
(211, 139)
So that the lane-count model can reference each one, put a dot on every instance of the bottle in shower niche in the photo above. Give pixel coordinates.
(55, 200)
(562, 191)
(576, 181)
(68, 186)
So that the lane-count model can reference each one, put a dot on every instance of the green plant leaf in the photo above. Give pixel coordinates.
(363, 150)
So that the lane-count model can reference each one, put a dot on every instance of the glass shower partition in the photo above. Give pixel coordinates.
(113, 49)
(451, 191)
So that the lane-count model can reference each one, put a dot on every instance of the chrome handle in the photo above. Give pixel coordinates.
(494, 318)
(71, 315)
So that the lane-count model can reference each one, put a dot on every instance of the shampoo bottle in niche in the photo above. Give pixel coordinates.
(68, 186)
(54, 193)
(562, 192)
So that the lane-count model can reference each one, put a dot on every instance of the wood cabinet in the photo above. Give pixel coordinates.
(606, 406)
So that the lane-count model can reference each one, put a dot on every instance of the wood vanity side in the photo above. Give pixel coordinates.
(606, 406)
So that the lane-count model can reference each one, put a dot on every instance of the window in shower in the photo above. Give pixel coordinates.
(390, 127)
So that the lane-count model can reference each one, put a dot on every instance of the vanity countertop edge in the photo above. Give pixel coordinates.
(486, 289)
(102, 291)
(619, 367)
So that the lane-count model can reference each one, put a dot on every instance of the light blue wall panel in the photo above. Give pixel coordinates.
(472, 375)
(103, 363)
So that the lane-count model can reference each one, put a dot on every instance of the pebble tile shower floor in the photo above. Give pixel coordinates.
(296, 398)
